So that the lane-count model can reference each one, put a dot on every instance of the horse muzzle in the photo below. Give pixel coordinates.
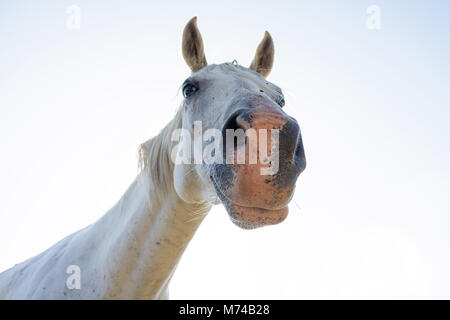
(256, 193)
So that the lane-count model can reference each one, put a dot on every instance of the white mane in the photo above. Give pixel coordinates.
(154, 156)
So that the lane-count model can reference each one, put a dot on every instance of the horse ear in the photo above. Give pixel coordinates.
(192, 46)
(263, 60)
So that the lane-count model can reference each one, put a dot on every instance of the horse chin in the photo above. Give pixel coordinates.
(253, 217)
(248, 217)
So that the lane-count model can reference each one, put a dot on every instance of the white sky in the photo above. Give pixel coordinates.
(370, 217)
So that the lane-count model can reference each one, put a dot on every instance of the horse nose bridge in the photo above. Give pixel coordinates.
(252, 109)
(269, 118)
(264, 117)
(261, 117)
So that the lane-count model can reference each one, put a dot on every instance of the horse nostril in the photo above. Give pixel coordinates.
(233, 124)
(299, 153)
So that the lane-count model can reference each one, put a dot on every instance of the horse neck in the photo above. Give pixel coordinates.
(149, 228)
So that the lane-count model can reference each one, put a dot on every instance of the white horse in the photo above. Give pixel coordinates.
(133, 250)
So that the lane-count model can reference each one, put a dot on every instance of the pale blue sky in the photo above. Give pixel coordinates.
(370, 216)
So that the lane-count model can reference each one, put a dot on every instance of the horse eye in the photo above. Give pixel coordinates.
(189, 89)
